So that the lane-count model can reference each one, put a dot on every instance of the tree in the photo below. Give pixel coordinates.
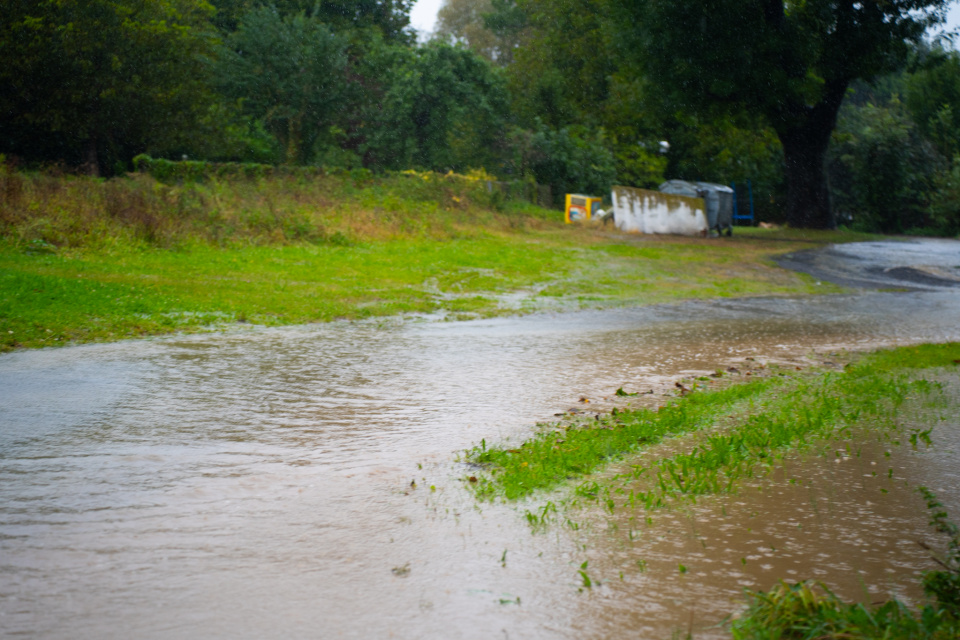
(96, 81)
(444, 109)
(933, 99)
(461, 21)
(789, 63)
(572, 161)
(491, 28)
(287, 71)
(881, 169)
(561, 73)
(390, 19)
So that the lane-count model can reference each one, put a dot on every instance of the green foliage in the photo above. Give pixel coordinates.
(172, 171)
(444, 110)
(386, 19)
(288, 72)
(637, 165)
(881, 169)
(806, 611)
(461, 22)
(508, 22)
(571, 161)
(787, 63)
(945, 201)
(95, 82)
(933, 99)
(228, 203)
(562, 72)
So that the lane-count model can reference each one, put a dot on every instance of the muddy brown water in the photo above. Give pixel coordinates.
(257, 484)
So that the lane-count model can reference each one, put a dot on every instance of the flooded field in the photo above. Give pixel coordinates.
(303, 482)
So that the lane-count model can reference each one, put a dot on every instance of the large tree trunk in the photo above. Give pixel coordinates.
(808, 200)
(805, 140)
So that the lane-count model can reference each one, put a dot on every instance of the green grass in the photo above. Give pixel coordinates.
(810, 611)
(90, 260)
(777, 415)
(566, 452)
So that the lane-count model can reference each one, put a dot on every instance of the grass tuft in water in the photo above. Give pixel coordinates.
(808, 610)
(562, 453)
(796, 411)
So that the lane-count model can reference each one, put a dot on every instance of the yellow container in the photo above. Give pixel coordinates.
(580, 208)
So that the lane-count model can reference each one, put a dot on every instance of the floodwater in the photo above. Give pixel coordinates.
(303, 483)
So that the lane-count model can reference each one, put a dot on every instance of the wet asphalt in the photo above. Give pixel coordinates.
(915, 264)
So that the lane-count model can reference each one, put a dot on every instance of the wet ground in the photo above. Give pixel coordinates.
(923, 264)
(302, 482)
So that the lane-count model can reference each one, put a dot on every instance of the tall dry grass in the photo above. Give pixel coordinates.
(57, 210)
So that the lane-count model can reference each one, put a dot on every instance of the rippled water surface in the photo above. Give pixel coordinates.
(259, 484)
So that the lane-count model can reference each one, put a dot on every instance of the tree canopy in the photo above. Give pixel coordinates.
(578, 94)
(287, 71)
(97, 80)
(789, 63)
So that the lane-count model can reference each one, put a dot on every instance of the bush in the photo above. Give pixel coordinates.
(572, 161)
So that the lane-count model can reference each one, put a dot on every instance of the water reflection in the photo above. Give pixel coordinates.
(258, 484)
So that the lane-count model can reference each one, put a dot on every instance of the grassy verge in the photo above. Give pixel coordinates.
(89, 260)
(780, 413)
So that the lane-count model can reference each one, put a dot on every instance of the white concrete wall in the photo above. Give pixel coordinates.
(644, 211)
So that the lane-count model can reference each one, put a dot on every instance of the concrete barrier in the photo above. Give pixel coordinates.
(645, 211)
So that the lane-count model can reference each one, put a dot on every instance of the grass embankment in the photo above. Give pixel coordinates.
(747, 429)
(88, 260)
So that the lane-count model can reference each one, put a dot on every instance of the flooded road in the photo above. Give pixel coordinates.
(302, 482)
(924, 264)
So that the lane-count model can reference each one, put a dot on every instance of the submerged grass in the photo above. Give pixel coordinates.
(784, 413)
(565, 452)
(758, 424)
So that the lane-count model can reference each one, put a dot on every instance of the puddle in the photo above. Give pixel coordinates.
(258, 484)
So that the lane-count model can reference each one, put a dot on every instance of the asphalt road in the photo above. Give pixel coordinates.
(918, 264)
